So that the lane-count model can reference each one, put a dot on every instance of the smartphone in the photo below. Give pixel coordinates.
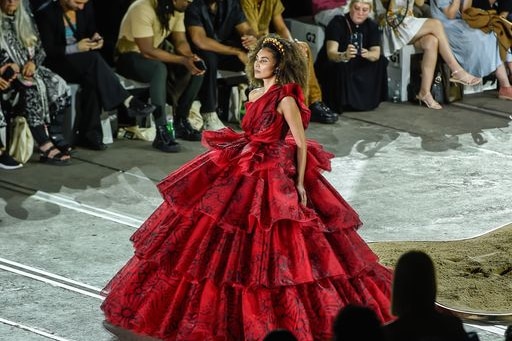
(95, 40)
(8, 74)
(356, 39)
(200, 64)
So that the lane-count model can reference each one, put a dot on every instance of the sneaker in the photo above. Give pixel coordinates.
(7, 162)
(505, 92)
(212, 121)
(164, 142)
(137, 108)
(322, 113)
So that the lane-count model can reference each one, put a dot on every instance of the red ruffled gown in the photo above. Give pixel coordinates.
(231, 254)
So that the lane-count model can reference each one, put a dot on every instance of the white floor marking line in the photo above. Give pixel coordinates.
(50, 281)
(60, 200)
(33, 330)
(47, 274)
(495, 329)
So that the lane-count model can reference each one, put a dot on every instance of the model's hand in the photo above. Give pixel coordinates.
(301, 191)
(248, 41)
(28, 70)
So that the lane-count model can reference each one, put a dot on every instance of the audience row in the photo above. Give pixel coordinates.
(177, 47)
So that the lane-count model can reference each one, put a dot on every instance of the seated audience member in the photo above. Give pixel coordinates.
(477, 51)
(220, 34)
(349, 66)
(69, 36)
(413, 302)
(280, 335)
(33, 91)
(355, 323)
(425, 33)
(6, 161)
(503, 9)
(263, 13)
(145, 26)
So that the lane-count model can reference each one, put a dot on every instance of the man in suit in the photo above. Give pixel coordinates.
(69, 36)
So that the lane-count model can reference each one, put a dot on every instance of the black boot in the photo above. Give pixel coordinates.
(185, 131)
(164, 141)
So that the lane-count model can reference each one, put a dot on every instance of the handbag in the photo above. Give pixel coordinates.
(21, 144)
(452, 91)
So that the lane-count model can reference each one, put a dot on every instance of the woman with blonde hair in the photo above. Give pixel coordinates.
(349, 66)
(402, 28)
(36, 93)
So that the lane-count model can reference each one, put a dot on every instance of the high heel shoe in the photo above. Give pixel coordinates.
(429, 101)
(466, 79)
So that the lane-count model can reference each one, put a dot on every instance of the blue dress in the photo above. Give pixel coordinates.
(477, 52)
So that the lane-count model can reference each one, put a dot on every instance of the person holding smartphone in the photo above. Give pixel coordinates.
(72, 43)
(174, 77)
(349, 66)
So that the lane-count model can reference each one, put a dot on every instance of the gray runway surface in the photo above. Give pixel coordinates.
(410, 172)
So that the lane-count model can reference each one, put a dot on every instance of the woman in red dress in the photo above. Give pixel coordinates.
(250, 236)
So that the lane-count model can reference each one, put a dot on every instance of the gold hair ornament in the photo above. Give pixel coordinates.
(275, 43)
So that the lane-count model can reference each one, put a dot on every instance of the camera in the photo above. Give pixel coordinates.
(200, 64)
(356, 39)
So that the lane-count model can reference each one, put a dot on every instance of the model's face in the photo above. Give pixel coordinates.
(9, 6)
(74, 5)
(359, 12)
(264, 64)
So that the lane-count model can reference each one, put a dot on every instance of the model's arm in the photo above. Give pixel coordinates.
(288, 107)
(467, 4)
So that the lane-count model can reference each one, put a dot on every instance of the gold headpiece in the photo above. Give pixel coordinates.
(275, 43)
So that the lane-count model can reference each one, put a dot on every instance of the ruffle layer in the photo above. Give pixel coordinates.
(249, 185)
(196, 247)
(179, 309)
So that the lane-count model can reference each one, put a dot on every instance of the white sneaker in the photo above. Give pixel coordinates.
(194, 117)
(212, 121)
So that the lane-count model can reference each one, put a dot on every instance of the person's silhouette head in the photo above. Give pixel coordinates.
(354, 323)
(414, 284)
(280, 335)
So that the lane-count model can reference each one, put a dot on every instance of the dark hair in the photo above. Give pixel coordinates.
(354, 323)
(164, 12)
(280, 335)
(414, 284)
(291, 63)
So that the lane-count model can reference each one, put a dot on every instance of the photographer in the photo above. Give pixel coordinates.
(349, 67)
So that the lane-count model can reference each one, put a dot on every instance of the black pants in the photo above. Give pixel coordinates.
(100, 88)
(208, 95)
(168, 83)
